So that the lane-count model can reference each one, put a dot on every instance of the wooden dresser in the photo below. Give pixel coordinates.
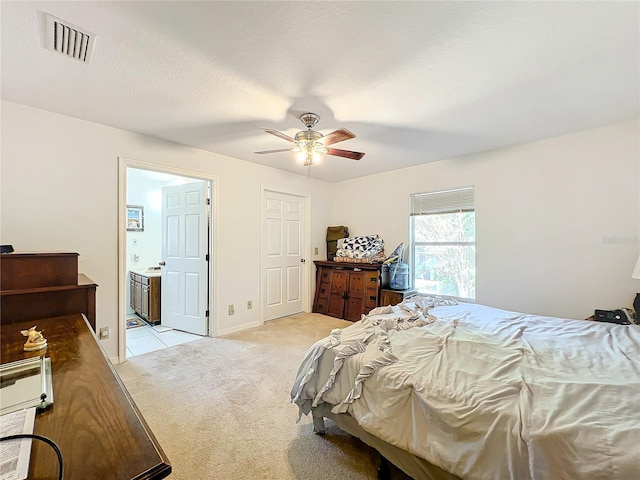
(93, 419)
(347, 290)
(40, 285)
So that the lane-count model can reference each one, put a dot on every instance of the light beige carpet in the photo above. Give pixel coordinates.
(220, 407)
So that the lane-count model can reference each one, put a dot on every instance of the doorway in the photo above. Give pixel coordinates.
(142, 247)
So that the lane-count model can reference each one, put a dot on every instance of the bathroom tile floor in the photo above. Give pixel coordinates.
(148, 338)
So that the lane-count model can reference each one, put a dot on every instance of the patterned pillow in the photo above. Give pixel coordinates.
(361, 247)
(362, 244)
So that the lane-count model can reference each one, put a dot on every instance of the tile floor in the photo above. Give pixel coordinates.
(149, 338)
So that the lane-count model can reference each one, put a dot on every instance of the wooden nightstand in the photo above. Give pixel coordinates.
(394, 297)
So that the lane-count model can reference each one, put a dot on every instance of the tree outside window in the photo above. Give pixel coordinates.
(443, 243)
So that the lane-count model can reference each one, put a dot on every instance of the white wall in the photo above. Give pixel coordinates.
(145, 191)
(557, 221)
(59, 192)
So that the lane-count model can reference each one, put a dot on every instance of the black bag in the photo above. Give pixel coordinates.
(621, 316)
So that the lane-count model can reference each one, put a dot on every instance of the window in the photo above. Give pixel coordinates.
(443, 242)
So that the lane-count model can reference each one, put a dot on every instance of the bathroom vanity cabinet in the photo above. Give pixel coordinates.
(144, 294)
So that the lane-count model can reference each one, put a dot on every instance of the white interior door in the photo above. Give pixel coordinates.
(283, 260)
(185, 249)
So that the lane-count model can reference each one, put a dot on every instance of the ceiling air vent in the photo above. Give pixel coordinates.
(67, 39)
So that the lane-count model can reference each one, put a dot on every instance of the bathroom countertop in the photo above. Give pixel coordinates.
(146, 272)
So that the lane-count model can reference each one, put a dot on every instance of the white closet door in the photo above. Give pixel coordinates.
(283, 259)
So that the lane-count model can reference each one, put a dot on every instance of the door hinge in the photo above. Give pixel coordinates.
(206, 257)
(208, 201)
(206, 314)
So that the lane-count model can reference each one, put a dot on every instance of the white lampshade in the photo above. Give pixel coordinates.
(636, 271)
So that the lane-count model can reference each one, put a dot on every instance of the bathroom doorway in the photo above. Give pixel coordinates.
(142, 259)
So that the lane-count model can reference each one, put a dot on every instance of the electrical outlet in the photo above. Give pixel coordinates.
(231, 309)
(316, 250)
(104, 333)
(249, 304)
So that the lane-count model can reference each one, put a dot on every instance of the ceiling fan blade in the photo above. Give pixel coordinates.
(337, 136)
(279, 134)
(278, 150)
(345, 153)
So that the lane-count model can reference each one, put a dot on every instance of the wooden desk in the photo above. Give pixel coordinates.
(93, 419)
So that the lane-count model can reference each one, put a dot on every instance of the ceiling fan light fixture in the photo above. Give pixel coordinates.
(310, 152)
(311, 145)
(308, 136)
(309, 120)
(307, 159)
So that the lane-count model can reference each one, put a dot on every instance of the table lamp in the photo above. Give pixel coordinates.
(636, 302)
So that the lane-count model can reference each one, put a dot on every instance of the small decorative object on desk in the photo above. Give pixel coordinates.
(35, 340)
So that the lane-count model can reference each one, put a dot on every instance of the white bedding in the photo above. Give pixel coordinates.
(486, 393)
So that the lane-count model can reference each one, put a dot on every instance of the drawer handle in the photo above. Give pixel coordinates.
(322, 290)
(372, 298)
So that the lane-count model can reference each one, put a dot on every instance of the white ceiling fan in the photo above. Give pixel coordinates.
(310, 144)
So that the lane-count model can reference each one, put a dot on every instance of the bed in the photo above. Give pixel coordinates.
(457, 390)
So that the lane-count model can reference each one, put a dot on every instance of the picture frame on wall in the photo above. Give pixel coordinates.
(135, 218)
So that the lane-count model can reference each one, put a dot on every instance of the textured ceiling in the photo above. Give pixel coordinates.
(415, 81)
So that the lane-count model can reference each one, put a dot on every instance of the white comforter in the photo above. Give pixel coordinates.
(486, 393)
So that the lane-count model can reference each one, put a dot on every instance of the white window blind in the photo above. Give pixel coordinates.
(447, 201)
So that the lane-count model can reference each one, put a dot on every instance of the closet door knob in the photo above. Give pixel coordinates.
(162, 264)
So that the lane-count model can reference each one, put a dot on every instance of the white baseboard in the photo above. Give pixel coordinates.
(229, 331)
(114, 360)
